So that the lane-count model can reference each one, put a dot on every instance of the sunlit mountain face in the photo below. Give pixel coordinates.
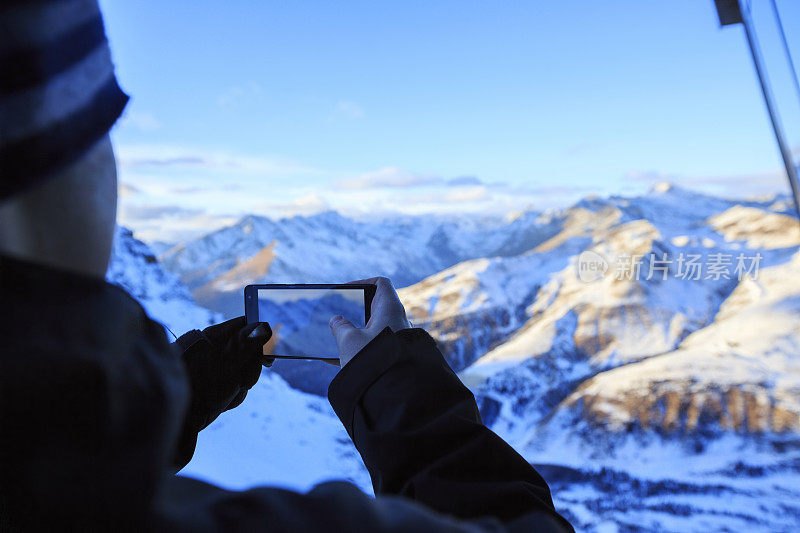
(644, 351)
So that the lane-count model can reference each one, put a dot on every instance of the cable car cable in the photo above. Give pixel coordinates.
(786, 47)
(777, 128)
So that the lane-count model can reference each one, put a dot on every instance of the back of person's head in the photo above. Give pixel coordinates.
(66, 221)
(58, 99)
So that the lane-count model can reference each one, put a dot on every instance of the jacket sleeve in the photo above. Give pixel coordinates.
(435, 467)
(419, 432)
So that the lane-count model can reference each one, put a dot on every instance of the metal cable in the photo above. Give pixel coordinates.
(786, 48)
(791, 170)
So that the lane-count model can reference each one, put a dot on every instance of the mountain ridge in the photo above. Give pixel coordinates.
(682, 389)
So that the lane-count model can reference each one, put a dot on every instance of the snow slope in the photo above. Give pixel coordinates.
(281, 437)
(134, 267)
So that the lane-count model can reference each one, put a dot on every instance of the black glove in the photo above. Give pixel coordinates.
(222, 362)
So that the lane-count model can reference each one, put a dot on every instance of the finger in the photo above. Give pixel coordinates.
(366, 281)
(338, 322)
(219, 334)
(233, 323)
(383, 289)
(266, 361)
(384, 286)
(253, 337)
(257, 331)
(385, 295)
(248, 345)
(339, 327)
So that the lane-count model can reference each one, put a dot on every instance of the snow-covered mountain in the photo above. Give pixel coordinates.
(330, 248)
(741, 373)
(678, 384)
(653, 396)
(134, 267)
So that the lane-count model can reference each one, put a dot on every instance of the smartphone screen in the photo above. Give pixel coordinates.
(299, 316)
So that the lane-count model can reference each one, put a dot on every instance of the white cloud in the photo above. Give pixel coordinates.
(650, 176)
(467, 194)
(126, 190)
(733, 185)
(239, 95)
(394, 177)
(169, 223)
(156, 216)
(153, 220)
(349, 109)
(303, 204)
(186, 190)
(171, 157)
(136, 211)
(389, 177)
(309, 201)
(460, 181)
(140, 120)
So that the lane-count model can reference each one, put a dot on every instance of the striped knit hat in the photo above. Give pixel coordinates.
(58, 93)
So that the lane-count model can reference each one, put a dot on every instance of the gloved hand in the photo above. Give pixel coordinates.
(222, 362)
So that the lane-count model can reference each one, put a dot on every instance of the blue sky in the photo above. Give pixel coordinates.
(280, 108)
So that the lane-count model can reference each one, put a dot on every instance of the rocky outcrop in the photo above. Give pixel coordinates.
(758, 228)
(739, 375)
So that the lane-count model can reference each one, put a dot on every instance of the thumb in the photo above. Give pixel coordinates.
(256, 333)
(339, 326)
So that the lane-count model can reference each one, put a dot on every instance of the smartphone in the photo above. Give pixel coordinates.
(299, 315)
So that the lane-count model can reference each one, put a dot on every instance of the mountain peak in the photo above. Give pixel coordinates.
(511, 216)
(327, 215)
(663, 187)
(666, 187)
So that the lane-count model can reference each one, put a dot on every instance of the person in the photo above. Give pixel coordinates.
(98, 411)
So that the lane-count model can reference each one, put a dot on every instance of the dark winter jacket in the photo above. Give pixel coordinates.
(92, 397)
